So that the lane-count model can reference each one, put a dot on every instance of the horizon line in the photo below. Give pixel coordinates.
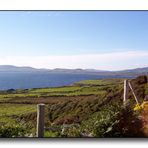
(27, 66)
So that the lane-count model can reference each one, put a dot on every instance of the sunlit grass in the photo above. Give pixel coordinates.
(16, 109)
(100, 82)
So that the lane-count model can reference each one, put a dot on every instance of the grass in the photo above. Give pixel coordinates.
(10, 112)
(55, 90)
(103, 82)
(90, 87)
(67, 91)
(38, 93)
(84, 103)
(10, 96)
(19, 109)
(65, 108)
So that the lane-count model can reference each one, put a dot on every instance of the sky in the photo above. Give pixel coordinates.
(104, 40)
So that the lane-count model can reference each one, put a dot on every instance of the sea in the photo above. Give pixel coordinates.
(42, 80)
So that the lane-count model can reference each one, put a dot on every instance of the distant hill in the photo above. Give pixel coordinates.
(129, 72)
(76, 71)
(10, 68)
(133, 72)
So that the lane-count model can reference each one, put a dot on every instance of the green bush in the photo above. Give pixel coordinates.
(102, 121)
(9, 131)
(129, 125)
(50, 134)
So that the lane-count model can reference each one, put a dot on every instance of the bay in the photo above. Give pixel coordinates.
(41, 80)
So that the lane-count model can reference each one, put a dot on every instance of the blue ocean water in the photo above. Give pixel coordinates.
(40, 80)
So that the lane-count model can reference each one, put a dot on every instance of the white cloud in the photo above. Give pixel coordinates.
(106, 61)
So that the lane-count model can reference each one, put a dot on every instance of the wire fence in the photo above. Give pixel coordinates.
(42, 115)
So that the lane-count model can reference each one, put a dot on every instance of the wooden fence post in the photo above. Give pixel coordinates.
(125, 95)
(133, 93)
(40, 120)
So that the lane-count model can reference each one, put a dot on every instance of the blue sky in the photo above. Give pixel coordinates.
(110, 40)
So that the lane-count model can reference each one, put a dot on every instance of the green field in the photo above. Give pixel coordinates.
(9, 111)
(90, 107)
(90, 87)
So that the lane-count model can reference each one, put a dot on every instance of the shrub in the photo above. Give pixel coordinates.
(129, 124)
(9, 131)
(101, 122)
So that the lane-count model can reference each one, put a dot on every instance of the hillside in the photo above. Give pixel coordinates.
(90, 108)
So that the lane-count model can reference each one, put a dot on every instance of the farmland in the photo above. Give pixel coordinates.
(90, 108)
